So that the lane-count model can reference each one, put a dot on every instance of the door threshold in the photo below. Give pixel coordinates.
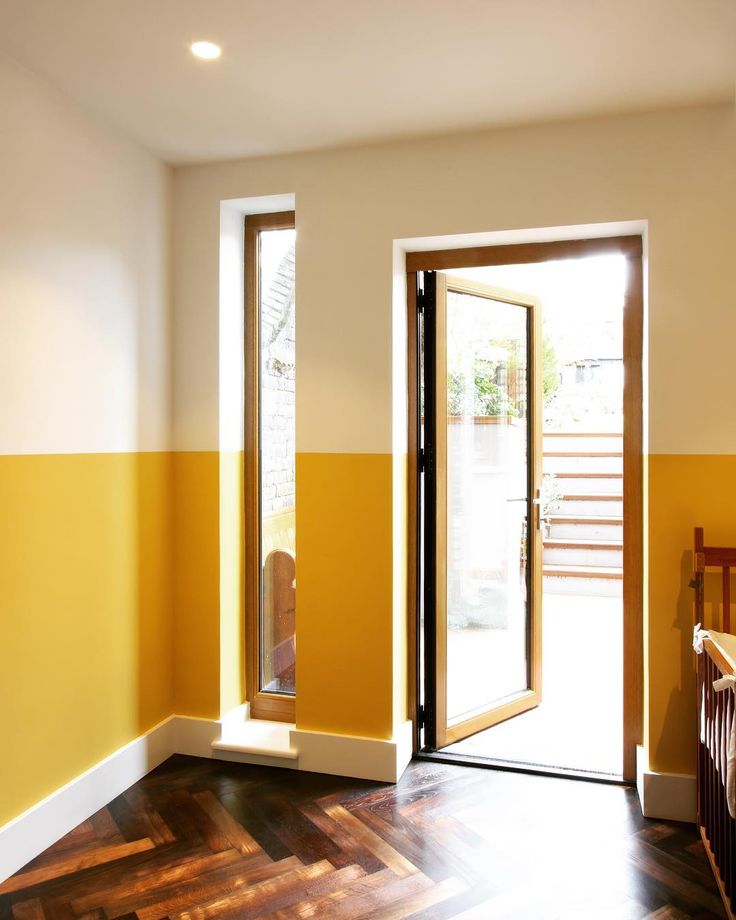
(490, 763)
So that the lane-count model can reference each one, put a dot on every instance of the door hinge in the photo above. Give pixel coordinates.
(421, 460)
(422, 293)
(420, 717)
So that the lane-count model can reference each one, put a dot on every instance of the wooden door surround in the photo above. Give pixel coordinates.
(633, 553)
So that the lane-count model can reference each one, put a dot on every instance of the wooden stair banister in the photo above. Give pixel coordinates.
(715, 714)
(713, 557)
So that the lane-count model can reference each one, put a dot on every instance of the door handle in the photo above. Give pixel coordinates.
(537, 502)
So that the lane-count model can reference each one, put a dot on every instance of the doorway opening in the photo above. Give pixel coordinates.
(527, 429)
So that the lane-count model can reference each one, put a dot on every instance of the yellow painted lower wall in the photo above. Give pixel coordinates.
(400, 467)
(196, 542)
(85, 575)
(98, 550)
(232, 581)
(345, 679)
(344, 593)
(685, 490)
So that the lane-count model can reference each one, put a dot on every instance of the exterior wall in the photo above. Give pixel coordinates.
(85, 468)
(675, 170)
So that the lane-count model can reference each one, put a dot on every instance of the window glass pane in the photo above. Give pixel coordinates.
(277, 454)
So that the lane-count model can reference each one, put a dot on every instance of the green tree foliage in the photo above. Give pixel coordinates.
(487, 397)
(550, 370)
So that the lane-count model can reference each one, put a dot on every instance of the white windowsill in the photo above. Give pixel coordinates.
(243, 735)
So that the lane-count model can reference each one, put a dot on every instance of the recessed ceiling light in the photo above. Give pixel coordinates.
(206, 51)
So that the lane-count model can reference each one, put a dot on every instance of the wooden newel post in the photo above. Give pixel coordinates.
(698, 579)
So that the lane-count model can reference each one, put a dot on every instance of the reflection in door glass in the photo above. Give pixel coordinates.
(487, 503)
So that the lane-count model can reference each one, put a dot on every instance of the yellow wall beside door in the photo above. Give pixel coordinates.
(344, 594)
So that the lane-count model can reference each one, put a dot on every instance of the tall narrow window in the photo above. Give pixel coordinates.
(270, 512)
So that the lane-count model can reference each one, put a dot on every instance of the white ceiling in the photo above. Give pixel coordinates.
(300, 74)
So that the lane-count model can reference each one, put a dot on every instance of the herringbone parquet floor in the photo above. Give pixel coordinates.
(202, 838)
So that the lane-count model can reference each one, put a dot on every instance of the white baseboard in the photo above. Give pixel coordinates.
(194, 736)
(31, 832)
(348, 755)
(669, 796)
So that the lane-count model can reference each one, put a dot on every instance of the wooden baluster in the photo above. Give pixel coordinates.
(721, 783)
(716, 779)
(716, 772)
(711, 760)
(724, 806)
(706, 774)
(698, 577)
(726, 619)
(727, 820)
(723, 811)
(732, 838)
(709, 757)
(699, 748)
(720, 787)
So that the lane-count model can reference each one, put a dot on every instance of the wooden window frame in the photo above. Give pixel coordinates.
(631, 247)
(278, 707)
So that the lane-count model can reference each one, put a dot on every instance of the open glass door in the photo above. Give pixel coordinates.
(482, 540)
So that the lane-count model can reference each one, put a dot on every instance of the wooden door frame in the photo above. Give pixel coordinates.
(631, 248)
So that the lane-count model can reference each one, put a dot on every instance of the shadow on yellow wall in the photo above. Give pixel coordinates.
(685, 490)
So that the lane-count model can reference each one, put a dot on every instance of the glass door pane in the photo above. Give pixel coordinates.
(488, 502)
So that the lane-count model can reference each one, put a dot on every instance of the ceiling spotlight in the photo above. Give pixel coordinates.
(206, 51)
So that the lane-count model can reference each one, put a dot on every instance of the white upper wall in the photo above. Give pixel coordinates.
(84, 280)
(676, 170)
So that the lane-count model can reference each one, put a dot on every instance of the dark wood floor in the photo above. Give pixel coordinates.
(202, 838)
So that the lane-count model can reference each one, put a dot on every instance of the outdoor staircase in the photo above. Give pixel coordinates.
(583, 553)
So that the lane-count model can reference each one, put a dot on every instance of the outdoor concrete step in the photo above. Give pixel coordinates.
(584, 554)
(583, 571)
(587, 587)
(563, 526)
(579, 543)
(586, 463)
(576, 496)
(589, 452)
(610, 483)
(580, 441)
(590, 504)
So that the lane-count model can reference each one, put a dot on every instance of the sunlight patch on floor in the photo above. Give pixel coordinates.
(579, 724)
